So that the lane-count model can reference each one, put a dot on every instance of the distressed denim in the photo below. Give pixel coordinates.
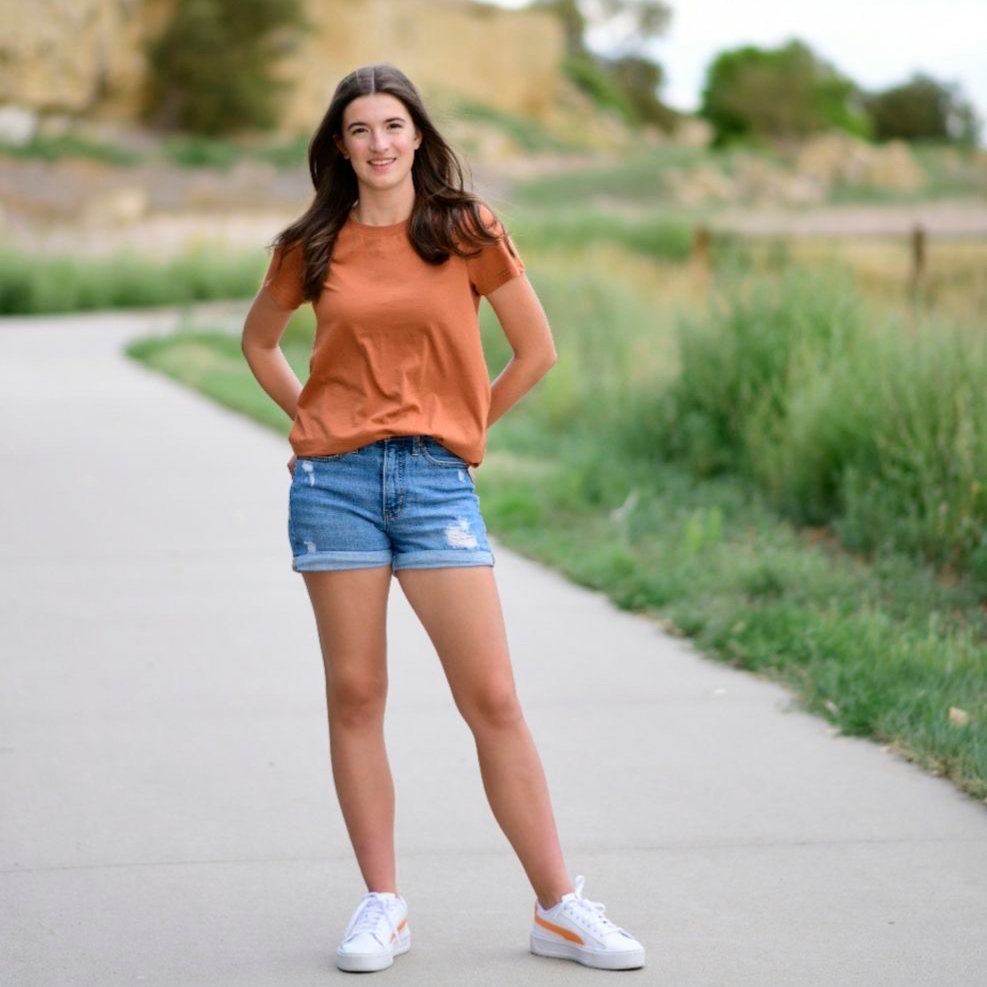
(404, 501)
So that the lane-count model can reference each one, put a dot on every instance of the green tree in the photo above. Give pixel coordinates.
(765, 95)
(629, 82)
(641, 19)
(641, 80)
(211, 70)
(923, 109)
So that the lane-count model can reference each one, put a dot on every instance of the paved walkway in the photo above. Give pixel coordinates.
(168, 816)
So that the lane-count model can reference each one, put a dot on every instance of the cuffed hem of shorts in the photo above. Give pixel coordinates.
(320, 561)
(441, 558)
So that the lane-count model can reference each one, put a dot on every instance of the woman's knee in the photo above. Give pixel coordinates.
(495, 707)
(356, 700)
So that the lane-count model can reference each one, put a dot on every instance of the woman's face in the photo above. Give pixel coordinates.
(378, 128)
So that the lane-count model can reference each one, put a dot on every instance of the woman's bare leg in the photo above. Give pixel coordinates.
(350, 608)
(460, 610)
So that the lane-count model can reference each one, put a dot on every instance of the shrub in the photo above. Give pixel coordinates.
(211, 70)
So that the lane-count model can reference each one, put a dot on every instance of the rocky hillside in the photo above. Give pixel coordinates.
(75, 67)
(82, 61)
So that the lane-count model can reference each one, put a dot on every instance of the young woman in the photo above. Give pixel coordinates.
(393, 254)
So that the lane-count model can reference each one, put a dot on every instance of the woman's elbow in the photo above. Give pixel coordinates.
(538, 359)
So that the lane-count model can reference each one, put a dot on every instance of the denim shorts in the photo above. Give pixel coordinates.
(404, 501)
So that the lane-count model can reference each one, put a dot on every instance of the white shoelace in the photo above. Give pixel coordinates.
(367, 918)
(592, 910)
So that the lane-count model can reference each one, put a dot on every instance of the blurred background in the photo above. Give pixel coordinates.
(760, 234)
(161, 122)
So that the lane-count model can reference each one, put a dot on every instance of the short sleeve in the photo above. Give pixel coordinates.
(283, 278)
(498, 262)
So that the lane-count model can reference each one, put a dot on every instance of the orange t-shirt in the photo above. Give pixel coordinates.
(397, 346)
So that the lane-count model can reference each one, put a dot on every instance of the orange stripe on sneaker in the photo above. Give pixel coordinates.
(394, 935)
(558, 930)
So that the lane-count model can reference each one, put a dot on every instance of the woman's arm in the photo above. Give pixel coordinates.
(262, 332)
(526, 327)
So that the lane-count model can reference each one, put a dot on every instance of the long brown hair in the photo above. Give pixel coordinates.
(445, 216)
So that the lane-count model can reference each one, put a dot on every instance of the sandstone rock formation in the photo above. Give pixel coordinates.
(836, 157)
(85, 57)
(817, 166)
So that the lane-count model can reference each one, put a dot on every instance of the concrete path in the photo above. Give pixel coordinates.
(168, 814)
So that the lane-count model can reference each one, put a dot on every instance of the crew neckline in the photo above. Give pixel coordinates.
(368, 230)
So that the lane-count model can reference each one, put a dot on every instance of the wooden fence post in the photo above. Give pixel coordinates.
(918, 272)
(700, 247)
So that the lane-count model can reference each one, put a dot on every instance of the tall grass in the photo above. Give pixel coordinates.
(651, 236)
(863, 423)
(841, 417)
(39, 284)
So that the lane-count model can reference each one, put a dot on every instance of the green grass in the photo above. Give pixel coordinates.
(213, 364)
(221, 155)
(840, 417)
(528, 134)
(583, 474)
(186, 150)
(652, 236)
(880, 650)
(35, 285)
(71, 146)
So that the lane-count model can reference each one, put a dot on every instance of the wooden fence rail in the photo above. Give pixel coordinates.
(702, 244)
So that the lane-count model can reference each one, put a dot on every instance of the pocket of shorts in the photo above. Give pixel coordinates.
(331, 457)
(441, 458)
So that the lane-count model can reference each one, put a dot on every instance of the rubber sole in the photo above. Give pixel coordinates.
(631, 959)
(368, 962)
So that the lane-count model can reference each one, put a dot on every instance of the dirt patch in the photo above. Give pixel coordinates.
(943, 217)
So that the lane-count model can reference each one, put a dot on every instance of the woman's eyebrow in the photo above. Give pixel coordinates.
(360, 123)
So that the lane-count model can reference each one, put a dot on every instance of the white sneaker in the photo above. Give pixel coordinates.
(576, 929)
(377, 932)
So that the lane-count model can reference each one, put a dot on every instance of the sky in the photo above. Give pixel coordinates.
(877, 43)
